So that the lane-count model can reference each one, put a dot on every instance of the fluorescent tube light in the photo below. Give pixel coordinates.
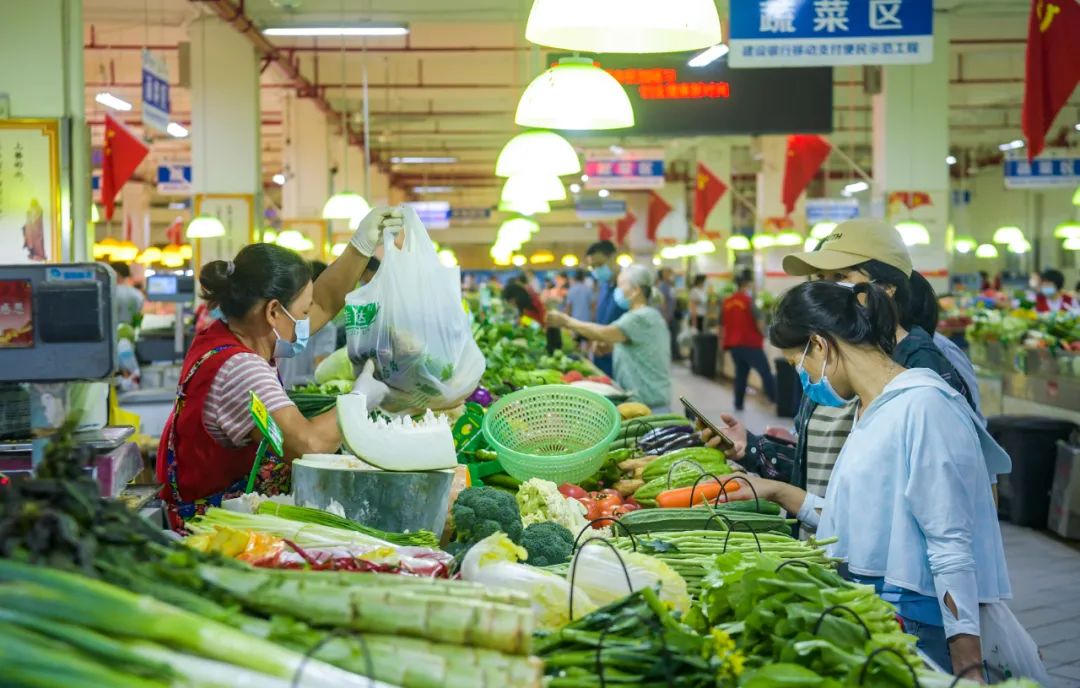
(177, 130)
(854, 188)
(423, 160)
(432, 189)
(110, 101)
(1011, 145)
(708, 56)
(355, 30)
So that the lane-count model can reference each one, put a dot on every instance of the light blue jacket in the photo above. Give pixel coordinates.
(910, 498)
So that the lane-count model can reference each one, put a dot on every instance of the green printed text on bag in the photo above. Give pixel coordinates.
(360, 317)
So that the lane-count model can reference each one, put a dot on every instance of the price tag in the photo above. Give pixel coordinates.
(266, 425)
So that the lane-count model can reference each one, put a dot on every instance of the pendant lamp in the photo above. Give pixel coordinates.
(518, 228)
(822, 230)
(537, 151)
(125, 252)
(172, 257)
(525, 206)
(624, 26)
(1076, 196)
(185, 251)
(530, 187)
(569, 260)
(738, 242)
(104, 248)
(293, 239)
(789, 238)
(1008, 234)
(1067, 230)
(986, 251)
(337, 249)
(964, 244)
(1020, 247)
(149, 256)
(205, 227)
(762, 241)
(913, 233)
(575, 94)
(810, 244)
(346, 205)
(1072, 244)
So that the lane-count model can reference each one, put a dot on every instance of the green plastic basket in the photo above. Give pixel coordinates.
(555, 432)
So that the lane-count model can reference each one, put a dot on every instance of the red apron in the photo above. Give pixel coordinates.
(195, 470)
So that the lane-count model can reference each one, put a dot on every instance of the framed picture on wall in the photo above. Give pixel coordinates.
(29, 191)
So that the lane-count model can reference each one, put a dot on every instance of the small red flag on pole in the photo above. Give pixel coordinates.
(622, 228)
(123, 152)
(707, 193)
(1052, 68)
(658, 210)
(805, 155)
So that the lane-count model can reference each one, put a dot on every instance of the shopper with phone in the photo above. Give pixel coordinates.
(910, 498)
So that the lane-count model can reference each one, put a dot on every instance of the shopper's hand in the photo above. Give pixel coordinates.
(366, 384)
(602, 348)
(369, 232)
(749, 486)
(556, 319)
(781, 434)
(734, 431)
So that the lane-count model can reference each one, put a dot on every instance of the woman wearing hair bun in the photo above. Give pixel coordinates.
(267, 307)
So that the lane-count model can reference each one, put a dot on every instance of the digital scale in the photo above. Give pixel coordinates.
(57, 328)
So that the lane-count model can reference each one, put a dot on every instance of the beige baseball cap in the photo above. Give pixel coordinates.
(850, 243)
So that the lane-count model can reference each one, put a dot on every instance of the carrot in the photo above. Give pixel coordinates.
(704, 492)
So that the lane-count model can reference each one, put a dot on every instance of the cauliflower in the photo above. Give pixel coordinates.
(540, 500)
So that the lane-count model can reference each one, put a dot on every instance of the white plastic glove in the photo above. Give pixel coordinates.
(366, 384)
(368, 234)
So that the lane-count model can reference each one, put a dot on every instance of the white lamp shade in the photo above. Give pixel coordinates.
(1020, 247)
(537, 151)
(789, 238)
(964, 244)
(575, 94)
(1072, 244)
(822, 230)
(1007, 235)
(525, 206)
(1067, 230)
(624, 26)
(762, 241)
(346, 206)
(738, 242)
(293, 239)
(533, 187)
(986, 251)
(205, 227)
(518, 229)
(913, 233)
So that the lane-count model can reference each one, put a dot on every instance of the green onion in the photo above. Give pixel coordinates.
(421, 538)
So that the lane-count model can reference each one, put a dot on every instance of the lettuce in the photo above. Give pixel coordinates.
(336, 366)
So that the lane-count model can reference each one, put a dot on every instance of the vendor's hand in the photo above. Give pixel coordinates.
(556, 319)
(733, 430)
(368, 234)
(366, 384)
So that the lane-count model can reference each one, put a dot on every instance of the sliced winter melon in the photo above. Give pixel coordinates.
(395, 445)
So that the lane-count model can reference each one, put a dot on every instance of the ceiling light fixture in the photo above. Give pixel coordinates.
(1008, 234)
(789, 238)
(537, 151)
(115, 102)
(854, 188)
(762, 241)
(177, 130)
(964, 244)
(575, 188)
(1071, 244)
(738, 242)
(575, 94)
(624, 26)
(1011, 145)
(423, 160)
(708, 56)
(352, 30)
(950, 160)
(1067, 230)
(986, 251)
(570, 260)
(279, 179)
(533, 187)
(295, 240)
(205, 227)
(525, 206)
(821, 230)
(432, 189)
(1020, 247)
(346, 206)
(913, 233)
(603, 193)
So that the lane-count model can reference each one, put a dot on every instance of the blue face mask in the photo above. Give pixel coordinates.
(216, 314)
(620, 299)
(603, 274)
(287, 349)
(1048, 290)
(820, 392)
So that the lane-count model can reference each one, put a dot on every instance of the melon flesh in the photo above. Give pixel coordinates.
(395, 445)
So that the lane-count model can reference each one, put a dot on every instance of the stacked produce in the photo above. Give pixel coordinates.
(1054, 331)
(512, 363)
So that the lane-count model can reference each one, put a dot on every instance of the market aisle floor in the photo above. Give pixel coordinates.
(1044, 570)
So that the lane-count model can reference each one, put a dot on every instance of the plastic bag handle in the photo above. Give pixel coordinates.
(417, 238)
(614, 522)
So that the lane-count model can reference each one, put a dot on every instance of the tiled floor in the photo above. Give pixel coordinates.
(1045, 572)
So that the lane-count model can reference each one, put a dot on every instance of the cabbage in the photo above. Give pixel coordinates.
(336, 366)
(600, 575)
(494, 562)
(540, 500)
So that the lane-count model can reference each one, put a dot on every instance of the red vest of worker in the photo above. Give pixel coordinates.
(1042, 304)
(195, 466)
(740, 328)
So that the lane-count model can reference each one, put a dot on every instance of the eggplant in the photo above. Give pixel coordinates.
(652, 436)
(679, 442)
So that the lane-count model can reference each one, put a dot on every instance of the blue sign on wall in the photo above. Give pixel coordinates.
(1054, 168)
(831, 209)
(805, 33)
(174, 179)
(599, 208)
(155, 92)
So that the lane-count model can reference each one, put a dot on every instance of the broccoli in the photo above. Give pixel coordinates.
(482, 511)
(547, 543)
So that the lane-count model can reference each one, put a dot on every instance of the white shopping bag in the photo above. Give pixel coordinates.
(1007, 648)
(410, 319)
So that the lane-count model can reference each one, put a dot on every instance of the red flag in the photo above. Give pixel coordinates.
(604, 232)
(919, 198)
(622, 228)
(123, 153)
(1052, 69)
(658, 210)
(805, 155)
(175, 233)
(707, 193)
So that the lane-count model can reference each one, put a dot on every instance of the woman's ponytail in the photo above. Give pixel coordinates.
(861, 315)
(880, 315)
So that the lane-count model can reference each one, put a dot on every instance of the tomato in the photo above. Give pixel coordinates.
(630, 504)
(613, 495)
(607, 512)
(590, 506)
(570, 490)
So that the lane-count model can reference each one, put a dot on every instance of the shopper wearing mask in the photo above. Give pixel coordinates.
(910, 500)
(270, 307)
(1050, 298)
(601, 258)
(857, 251)
(642, 352)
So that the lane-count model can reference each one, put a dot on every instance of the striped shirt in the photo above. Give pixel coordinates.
(826, 431)
(227, 414)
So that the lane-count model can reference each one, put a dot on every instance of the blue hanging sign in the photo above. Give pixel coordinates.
(831, 209)
(466, 214)
(155, 92)
(434, 214)
(624, 168)
(808, 33)
(174, 179)
(599, 208)
(1056, 167)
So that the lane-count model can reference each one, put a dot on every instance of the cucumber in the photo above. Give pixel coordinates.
(702, 455)
(681, 520)
(752, 506)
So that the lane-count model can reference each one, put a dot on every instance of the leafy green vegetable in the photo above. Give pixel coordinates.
(336, 366)
(540, 500)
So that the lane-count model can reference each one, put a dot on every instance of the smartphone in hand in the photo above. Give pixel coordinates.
(696, 416)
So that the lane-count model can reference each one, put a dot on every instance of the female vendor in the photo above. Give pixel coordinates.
(269, 306)
(909, 500)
